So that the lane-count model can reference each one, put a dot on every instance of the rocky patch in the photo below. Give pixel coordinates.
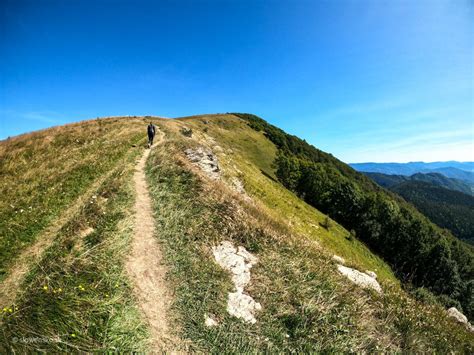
(338, 259)
(360, 278)
(210, 322)
(205, 160)
(459, 317)
(238, 261)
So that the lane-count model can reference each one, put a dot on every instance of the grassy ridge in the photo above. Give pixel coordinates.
(41, 173)
(191, 218)
(249, 155)
(77, 298)
(307, 305)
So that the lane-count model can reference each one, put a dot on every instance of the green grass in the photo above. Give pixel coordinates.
(77, 298)
(246, 153)
(307, 305)
(42, 173)
(190, 223)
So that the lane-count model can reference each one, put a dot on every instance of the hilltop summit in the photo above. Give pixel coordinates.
(229, 235)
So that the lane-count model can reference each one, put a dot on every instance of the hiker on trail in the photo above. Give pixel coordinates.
(151, 134)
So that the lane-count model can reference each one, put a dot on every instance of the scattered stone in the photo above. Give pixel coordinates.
(454, 313)
(238, 261)
(360, 278)
(237, 185)
(85, 232)
(338, 259)
(210, 322)
(205, 160)
(242, 306)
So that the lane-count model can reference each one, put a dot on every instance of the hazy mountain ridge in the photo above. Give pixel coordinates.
(437, 179)
(453, 169)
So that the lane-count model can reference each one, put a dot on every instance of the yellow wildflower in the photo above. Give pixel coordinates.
(45, 288)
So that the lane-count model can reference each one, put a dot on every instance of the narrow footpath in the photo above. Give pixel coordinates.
(145, 267)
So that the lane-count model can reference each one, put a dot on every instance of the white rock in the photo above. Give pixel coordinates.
(209, 322)
(237, 185)
(242, 306)
(371, 274)
(338, 259)
(205, 160)
(360, 278)
(453, 312)
(238, 262)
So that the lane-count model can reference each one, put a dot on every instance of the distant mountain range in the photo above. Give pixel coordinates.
(435, 179)
(445, 201)
(453, 169)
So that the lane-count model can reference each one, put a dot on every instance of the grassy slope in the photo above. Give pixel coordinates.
(250, 146)
(307, 305)
(77, 296)
(42, 173)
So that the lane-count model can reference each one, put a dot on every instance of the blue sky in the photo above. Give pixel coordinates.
(364, 80)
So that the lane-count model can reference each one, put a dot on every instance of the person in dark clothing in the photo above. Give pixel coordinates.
(151, 134)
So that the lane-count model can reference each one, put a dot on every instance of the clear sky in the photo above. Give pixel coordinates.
(364, 80)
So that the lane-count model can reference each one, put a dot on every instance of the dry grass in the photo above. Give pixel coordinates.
(42, 173)
(76, 297)
(307, 305)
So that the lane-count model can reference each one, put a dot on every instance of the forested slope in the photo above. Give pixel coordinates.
(420, 253)
(452, 210)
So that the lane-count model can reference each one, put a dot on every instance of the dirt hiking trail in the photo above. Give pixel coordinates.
(146, 270)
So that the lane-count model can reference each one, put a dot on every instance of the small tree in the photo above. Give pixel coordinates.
(185, 131)
(351, 235)
(326, 223)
